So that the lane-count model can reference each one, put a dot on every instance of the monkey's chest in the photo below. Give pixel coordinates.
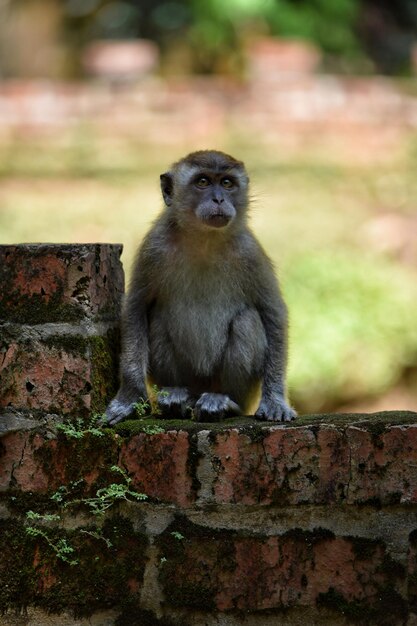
(195, 329)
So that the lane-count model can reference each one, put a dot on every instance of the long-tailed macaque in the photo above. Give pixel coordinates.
(204, 319)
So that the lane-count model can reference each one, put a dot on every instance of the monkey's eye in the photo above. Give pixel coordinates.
(202, 182)
(227, 183)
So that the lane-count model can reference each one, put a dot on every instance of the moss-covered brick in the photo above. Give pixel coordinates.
(63, 373)
(45, 283)
(193, 559)
(375, 423)
(223, 570)
(108, 564)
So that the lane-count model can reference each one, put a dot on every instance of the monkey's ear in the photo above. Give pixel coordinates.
(167, 187)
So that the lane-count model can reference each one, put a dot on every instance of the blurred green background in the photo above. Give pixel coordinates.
(333, 161)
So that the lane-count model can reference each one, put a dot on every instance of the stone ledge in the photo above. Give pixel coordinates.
(372, 460)
(309, 522)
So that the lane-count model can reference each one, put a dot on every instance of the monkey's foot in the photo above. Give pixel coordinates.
(118, 411)
(213, 407)
(175, 402)
(275, 410)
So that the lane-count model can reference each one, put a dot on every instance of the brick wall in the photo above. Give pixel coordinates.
(369, 118)
(313, 522)
(59, 309)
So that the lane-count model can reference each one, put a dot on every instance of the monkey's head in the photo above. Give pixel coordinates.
(206, 189)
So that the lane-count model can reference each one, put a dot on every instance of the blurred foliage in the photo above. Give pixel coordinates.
(209, 36)
(310, 20)
(353, 320)
(212, 34)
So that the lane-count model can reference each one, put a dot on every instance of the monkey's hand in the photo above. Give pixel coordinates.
(120, 408)
(275, 409)
(175, 402)
(213, 407)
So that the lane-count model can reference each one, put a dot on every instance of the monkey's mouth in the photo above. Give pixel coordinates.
(217, 220)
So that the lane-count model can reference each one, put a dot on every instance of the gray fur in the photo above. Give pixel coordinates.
(204, 319)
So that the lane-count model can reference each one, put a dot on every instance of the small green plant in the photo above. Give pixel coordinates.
(142, 407)
(97, 534)
(104, 498)
(62, 549)
(81, 427)
(177, 535)
(152, 429)
(47, 517)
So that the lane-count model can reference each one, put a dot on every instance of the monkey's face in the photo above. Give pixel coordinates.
(206, 190)
(213, 198)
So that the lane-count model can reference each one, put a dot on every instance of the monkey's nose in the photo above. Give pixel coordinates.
(218, 200)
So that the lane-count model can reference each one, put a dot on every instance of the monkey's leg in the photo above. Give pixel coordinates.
(123, 405)
(133, 363)
(175, 402)
(241, 369)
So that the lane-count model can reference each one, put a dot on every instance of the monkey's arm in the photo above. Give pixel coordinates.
(134, 353)
(273, 312)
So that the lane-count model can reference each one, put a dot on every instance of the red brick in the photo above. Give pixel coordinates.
(295, 569)
(384, 466)
(43, 283)
(32, 462)
(61, 373)
(158, 466)
(289, 466)
(316, 466)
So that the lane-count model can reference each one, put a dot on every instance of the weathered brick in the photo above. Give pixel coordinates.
(57, 373)
(158, 466)
(291, 466)
(287, 466)
(225, 571)
(32, 573)
(59, 336)
(34, 462)
(322, 553)
(44, 283)
(320, 465)
(383, 465)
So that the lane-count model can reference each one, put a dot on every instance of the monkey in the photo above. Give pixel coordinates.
(204, 319)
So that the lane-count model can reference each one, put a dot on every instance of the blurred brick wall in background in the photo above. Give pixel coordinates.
(365, 119)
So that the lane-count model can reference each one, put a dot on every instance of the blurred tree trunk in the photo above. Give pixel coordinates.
(30, 38)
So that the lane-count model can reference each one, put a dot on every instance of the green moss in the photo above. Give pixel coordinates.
(388, 607)
(20, 502)
(104, 378)
(17, 574)
(193, 459)
(30, 573)
(103, 352)
(79, 457)
(190, 566)
(71, 344)
(353, 610)
(20, 308)
(364, 548)
(376, 423)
